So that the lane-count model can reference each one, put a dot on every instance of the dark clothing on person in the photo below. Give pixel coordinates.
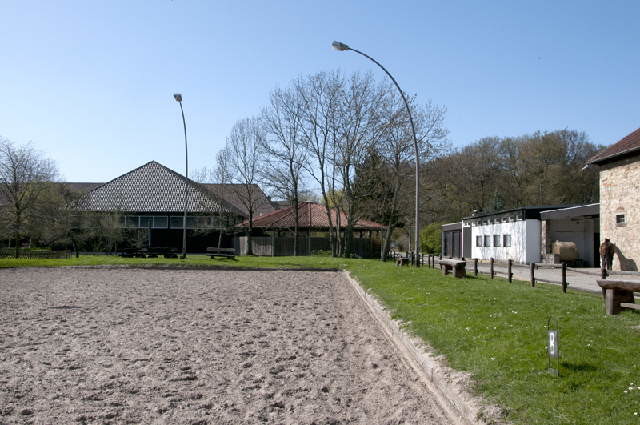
(606, 254)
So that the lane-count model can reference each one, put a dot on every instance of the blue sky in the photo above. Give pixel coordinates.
(90, 83)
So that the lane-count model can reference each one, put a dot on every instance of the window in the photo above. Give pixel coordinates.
(506, 240)
(146, 221)
(620, 220)
(496, 240)
(478, 240)
(487, 240)
(160, 222)
(132, 221)
(175, 222)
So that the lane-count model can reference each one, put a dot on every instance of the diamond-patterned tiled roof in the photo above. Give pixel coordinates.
(152, 188)
(310, 215)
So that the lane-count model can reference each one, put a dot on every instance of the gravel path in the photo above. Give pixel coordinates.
(126, 346)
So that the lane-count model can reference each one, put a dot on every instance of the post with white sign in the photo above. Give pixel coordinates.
(553, 348)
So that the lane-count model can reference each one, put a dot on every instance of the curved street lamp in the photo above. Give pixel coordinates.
(343, 47)
(178, 98)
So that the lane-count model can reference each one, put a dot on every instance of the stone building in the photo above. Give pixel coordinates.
(619, 166)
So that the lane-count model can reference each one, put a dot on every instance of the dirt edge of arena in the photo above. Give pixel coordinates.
(450, 387)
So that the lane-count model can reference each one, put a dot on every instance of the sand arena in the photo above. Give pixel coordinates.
(135, 346)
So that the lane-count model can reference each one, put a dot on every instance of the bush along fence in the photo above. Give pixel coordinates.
(34, 254)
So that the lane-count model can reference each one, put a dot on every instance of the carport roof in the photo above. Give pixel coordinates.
(590, 210)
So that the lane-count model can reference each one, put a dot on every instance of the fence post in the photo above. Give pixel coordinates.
(475, 267)
(491, 271)
(532, 267)
(509, 271)
(564, 277)
(273, 245)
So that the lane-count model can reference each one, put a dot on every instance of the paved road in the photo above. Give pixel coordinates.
(584, 280)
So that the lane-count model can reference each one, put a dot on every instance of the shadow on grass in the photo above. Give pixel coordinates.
(578, 367)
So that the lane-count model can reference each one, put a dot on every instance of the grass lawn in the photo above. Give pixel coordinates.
(496, 331)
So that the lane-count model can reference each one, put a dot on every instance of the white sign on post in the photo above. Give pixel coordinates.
(553, 344)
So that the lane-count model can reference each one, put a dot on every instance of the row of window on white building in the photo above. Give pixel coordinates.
(498, 240)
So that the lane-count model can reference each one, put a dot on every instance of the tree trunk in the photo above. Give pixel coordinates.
(332, 241)
(296, 215)
(249, 245)
(17, 233)
(386, 243)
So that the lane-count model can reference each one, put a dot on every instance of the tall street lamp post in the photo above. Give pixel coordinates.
(342, 47)
(178, 98)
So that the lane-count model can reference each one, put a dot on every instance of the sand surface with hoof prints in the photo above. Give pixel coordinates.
(134, 346)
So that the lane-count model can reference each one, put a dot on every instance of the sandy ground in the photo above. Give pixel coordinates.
(126, 346)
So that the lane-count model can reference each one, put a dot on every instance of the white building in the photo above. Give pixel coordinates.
(503, 235)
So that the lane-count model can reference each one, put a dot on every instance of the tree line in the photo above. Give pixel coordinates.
(492, 174)
(344, 140)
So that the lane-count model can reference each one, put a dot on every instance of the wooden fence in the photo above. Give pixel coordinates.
(282, 246)
(509, 264)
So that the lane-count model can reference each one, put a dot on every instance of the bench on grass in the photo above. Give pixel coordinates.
(618, 295)
(214, 252)
(458, 267)
(402, 261)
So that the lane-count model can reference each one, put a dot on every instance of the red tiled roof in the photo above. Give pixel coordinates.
(629, 143)
(311, 215)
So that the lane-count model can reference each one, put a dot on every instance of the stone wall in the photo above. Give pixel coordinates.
(620, 194)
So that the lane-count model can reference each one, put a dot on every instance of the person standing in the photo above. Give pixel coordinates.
(606, 254)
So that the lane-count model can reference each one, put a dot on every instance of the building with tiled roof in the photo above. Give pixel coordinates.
(628, 146)
(619, 166)
(153, 188)
(311, 215)
(152, 198)
(235, 194)
(274, 232)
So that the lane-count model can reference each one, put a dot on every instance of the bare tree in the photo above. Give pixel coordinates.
(319, 96)
(285, 156)
(242, 165)
(221, 175)
(203, 175)
(24, 175)
(396, 147)
(359, 115)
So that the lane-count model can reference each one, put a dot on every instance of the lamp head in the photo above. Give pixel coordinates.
(340, 46)
(177, 97)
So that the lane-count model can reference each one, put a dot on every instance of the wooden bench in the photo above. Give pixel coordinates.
(458, 267)
(618, 295)
(214, 252)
